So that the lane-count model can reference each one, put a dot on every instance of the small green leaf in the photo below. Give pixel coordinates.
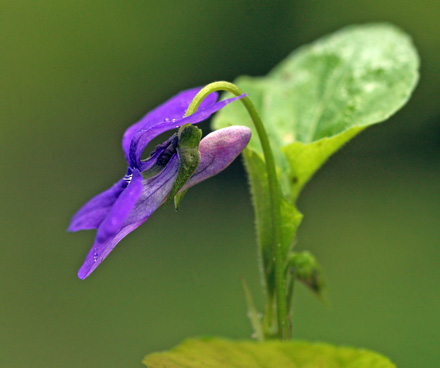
(188, 150)
(218, 353)
(306, 269)
(290, 217)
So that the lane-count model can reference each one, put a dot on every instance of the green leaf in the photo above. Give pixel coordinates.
(327, 92)
(218, 353)
(305, 159)
(305, 268)
(315, 101)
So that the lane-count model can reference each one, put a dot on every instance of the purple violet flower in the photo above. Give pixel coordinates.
(121, 209)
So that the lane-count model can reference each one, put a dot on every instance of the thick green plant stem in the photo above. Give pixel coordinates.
(280, 282)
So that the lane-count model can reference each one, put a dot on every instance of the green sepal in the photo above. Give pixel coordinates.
(178, 198)
(189, 137)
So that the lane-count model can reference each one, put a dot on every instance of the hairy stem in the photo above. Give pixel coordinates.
(273, 191)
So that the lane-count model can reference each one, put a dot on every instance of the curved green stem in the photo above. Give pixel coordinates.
(273, 190)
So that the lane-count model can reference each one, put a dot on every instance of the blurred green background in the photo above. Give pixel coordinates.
(75, 74)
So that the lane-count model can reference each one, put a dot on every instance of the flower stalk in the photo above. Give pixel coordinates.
(275, 204)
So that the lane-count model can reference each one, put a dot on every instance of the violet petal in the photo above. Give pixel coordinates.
(174, 108)
(142, 138)
(148, 194)
(155, 191)
(217, 151)
(95, 210)
(93, 260)
(112, 225)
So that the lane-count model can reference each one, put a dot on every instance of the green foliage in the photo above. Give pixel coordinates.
(327, 92)
(213, 353)
(314, 102)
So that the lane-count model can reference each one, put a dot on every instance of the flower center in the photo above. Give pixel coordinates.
(168, 150)
(161, 155)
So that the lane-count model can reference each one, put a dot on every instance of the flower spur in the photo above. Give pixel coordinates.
(148, 183)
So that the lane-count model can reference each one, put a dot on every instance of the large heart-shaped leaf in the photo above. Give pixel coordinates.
(218, 353)
(327, 92)
(316, 100)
